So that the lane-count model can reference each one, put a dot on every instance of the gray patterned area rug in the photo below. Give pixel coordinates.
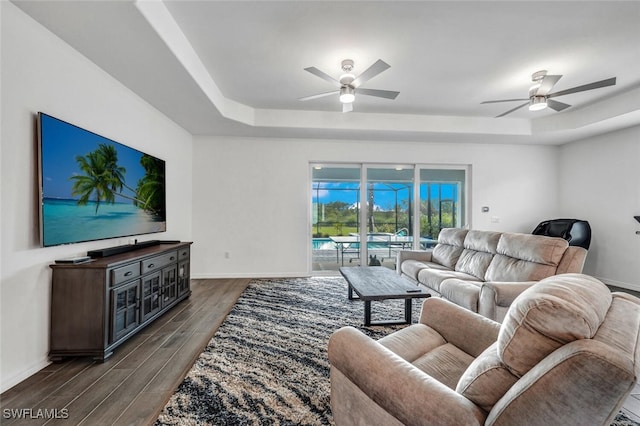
(267, 363)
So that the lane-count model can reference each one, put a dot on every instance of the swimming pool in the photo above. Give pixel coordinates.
(327, 244)
(322, 244)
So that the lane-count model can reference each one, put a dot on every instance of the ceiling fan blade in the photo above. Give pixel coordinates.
(511, 110)
(557, 106)
(379, 93)
(547, 83)
(347, 107)
(319, 95)
(504, 100)
(371, 72)
(584, 87)
(323, 75)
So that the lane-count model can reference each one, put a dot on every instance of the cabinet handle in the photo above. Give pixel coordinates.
(128, 273)
(151, 265)
(184, 253)
(172, 258)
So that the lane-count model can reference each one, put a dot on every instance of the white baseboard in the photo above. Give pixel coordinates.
(9, 382)
(621, 284)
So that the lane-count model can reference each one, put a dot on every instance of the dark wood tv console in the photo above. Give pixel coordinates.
(99, 304)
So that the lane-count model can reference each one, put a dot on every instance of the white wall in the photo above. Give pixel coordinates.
(252, 194)
(42, 73)
(600, 182)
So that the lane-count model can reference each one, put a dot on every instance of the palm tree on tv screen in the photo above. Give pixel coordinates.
(110, 155)
(104, 179)
(150, 190)
(97, 180)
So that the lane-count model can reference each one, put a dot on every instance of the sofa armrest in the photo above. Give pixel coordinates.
(496, 297)
(572, 260)
(421, 255)
(466, 330)
(401, 389)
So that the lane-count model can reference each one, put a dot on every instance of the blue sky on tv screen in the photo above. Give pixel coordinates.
(63, 142)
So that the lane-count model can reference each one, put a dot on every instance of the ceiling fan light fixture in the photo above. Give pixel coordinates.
(540, 93)
(347, 94)
(537, 103)
(346, 79)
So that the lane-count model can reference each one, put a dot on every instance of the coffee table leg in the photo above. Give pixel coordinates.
(367, 312)
(408, 307)
(350, 292)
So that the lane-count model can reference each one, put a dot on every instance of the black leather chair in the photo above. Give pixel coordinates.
(576, 231)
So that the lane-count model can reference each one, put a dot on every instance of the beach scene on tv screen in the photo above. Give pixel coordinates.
(94, 188)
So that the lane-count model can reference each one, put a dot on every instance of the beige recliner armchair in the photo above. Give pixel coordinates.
(567, 352)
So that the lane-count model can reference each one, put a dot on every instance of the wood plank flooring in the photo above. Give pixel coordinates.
(133, 386)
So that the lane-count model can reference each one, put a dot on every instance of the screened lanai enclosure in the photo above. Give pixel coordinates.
(386, 206)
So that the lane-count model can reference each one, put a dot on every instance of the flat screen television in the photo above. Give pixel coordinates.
(93, 188)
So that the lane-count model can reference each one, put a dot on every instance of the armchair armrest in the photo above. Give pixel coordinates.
(397, 386)
(467, 330)
(421, 255)
(496, 297)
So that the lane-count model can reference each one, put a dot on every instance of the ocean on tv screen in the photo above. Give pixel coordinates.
(67, 222)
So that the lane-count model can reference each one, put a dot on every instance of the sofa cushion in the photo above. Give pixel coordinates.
(486, 380)
(461, 292)
(533, 248)
(426, 349)
(412, 342)
(452, 236)
(432, 278)
(485, 241)
(445, 363)
(550, 314)
(479, 248)
(449, 247)
(505, 269)
(412, 267)
(524, 257)
(474, 263)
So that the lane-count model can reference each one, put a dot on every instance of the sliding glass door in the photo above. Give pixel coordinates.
(389, 213)
(363, 214)
(442, 194)
(335, 216)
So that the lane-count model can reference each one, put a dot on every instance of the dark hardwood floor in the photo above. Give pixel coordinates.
(132, 386)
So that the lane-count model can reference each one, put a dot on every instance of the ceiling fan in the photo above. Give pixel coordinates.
(539, 96)
(349, 84)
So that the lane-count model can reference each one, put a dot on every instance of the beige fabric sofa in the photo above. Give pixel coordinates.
(484, 271)
(567, 353)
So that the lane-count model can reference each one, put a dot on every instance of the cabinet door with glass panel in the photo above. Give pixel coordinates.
(151, 295)
(125, 315)
(183, 278)
(169, 285)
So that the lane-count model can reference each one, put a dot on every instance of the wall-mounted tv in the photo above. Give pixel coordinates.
(93, 188)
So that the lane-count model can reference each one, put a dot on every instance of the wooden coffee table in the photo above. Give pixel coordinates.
(381, 283)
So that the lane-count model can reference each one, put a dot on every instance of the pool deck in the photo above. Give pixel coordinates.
(326, 260)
